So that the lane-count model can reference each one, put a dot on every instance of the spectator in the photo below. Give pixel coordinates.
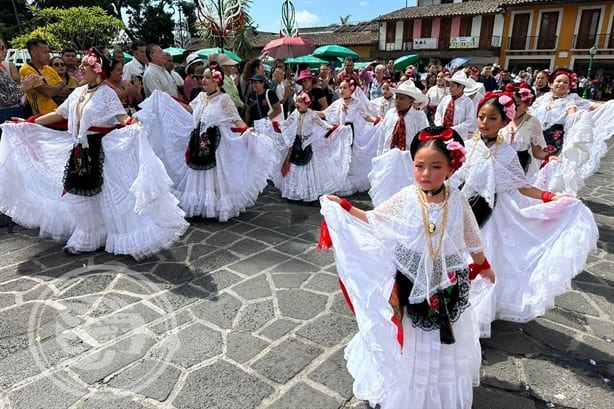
(375, 87)
(5, 65)
(156, 77)
(504, 79)
(456, 110)
(69, 55)
(348, 72)
(193, 61)
(391, 72)
(119, 56)
(326, 80)
(487, 78)
(129, 93)
(198, 76)
(541, 83)
(251, 68)
(40, 97)
(227, 65)
(12, 95)
(317, 95)
(136, 67)
(71, 82)
(283, 89)
(261, 102)
(169, 64)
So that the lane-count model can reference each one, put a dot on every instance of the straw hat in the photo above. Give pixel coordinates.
(459, 77)
(409, 88)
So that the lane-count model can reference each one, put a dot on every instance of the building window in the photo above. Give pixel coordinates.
(486, 29)
(465, 26)
(520, 28)
(587, 31)
(426, 29)
(408, 31)
(391, 31)
(547, 30)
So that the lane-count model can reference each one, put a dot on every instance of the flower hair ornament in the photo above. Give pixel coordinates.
(94, 61)
(456, 149)
(525, 95)
(573, 79)
(303, 96)
(217, 76)
(505, 99)
(351, 84)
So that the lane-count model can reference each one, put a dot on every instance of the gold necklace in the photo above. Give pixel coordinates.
(429, 227)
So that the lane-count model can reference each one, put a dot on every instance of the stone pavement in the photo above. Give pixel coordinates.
(248, 314)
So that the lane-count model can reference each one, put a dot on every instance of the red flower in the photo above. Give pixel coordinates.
(550, 149)
(452, 277)
(434, 303)
(557, 134)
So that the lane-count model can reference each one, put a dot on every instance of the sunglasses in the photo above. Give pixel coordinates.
(59, 64)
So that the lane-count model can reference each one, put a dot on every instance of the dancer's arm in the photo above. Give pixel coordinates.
(354, 211)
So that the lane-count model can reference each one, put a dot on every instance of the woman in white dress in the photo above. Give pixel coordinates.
(353, 109)
(218, 165)
(403, 270)
(535, 248)
(92, 185)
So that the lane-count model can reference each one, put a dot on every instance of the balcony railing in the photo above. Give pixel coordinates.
(532, 43)
(586, 41)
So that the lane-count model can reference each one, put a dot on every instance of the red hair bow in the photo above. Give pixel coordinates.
(444, 135)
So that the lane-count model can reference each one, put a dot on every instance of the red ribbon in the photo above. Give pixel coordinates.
(427, 136)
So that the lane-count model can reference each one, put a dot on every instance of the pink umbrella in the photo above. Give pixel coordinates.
(289, 47)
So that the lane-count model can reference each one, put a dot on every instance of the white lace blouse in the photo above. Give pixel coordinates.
(217, 111)
(529, 133)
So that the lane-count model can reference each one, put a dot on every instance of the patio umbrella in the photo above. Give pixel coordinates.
(332, 51)
(175, 52)
(457, 62)
(128, 57)
(289, 47)
(402, 62)
(310, 60)
(204, 53)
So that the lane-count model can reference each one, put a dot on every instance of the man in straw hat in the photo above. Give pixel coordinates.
(226, 63)
(456, 110)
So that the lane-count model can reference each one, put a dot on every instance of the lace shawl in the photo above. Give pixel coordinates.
(529, 133)
(551, 111)
(499, 172)
(398, 223)
(312, 128)
(101, 111)
(219, 111)
(357, 109)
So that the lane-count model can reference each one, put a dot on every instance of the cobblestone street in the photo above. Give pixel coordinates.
(248, 314)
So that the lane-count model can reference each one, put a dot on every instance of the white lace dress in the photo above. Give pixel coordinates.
(318, 166)
(364, 142)
(134, 213)
(577, 138)
(242, 162)
(534, 248)
(527, 133)
(408, 367)
(393, 168)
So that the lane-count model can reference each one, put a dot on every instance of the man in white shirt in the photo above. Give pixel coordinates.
(136, 67)
(169, 64)
(156, 76)
(456, 110)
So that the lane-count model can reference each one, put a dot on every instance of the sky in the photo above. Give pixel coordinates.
(311, 13)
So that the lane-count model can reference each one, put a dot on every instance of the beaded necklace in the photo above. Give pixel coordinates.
(430, 228)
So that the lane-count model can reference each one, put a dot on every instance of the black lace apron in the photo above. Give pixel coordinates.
(452, 302)
(554, 137)
(524, 157)
(481, 210)
(83, 171)
(300, 156)
(200, 153)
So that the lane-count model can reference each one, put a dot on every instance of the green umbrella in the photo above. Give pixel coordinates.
(175, 52)
(204, 53)
(127, 57)
(310, 60)
(331, 51)
(402, 62)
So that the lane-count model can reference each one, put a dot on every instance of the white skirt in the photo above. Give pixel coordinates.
(392, 171)
(535, 251)
(364, 148)
(139, 214)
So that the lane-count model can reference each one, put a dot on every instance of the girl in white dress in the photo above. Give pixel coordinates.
(403, 269)
(92, 185)
(313, 156)
(218, 165)
(536, 248)
(353, 109)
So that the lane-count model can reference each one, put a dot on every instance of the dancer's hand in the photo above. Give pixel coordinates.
(488, 273)
(334, 198)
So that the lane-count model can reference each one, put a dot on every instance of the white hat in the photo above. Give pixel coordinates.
(460, 78)
(471, 87)
(192, 58)
(223, 59)
(409, 88)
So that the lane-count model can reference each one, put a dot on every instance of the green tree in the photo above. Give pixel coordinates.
(14, 18)
(152, 23)
(78, 27)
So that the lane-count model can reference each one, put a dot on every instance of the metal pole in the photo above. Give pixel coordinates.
(587, 83)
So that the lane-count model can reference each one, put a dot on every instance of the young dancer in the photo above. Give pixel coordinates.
(536, 248)
(405, 275)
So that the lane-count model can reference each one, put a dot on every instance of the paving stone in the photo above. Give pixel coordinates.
(178, 297)
(176, 254)
(268, 236)
(190, 346)
(258, 262)
(300, 304)
(295, 266)
(333, 374)
(255, 316)
(297, 230)
(598, 350)
(585, 276)
(286, 360)
(19, 285)
(213, 261)
(603, 269)
(39, 357)
(564, 386)
(514, 343)
(488, 398)
(154, 379)
(26, 268)
(216, 281)
(328, 330)
(498, 370)
(96, 366)
(318, 257)
(108, 400)
(304, 396)
(322, 282)
(56, 391)
(294, 247)
(40, 292)
(278, 329)
(576, 302)
(221, 385)
(90, 284)
(223, 238)
(197, 236)
(241, 228)
(243, 346)
(599, 294)
(601, 328)
(143, 285)
(566, 318)
(110, 302)
(171, 322)
(174, 273)
(289, 280)
(247, 246)
(121, 322)
(550, 333)
(221, 311)
(6, 300)
(254, 288)
(340, 306)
